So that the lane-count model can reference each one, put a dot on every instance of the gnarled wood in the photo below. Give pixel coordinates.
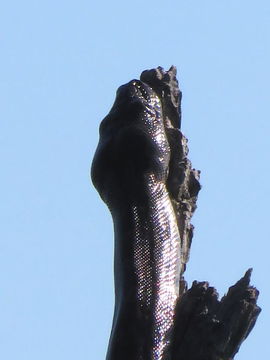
(205, 328)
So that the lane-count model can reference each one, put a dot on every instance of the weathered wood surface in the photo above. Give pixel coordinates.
(206, 328)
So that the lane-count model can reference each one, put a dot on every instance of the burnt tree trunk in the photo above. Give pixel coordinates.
(206, 328)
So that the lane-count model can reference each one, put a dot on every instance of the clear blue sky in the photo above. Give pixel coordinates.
(61, 63)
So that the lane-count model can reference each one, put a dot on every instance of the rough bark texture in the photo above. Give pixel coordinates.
(206, 328)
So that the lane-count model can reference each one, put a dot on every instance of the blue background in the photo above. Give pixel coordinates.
(61, 63)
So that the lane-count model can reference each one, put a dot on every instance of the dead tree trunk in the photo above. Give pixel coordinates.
(206, 328)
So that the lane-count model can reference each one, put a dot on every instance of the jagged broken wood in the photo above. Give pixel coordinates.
(206, 328)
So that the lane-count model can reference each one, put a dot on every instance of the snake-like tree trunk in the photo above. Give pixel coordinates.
(142, 173)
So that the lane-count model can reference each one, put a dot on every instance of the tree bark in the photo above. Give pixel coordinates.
(205, 328)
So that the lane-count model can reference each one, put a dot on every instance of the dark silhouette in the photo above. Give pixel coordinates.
(142, 173)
